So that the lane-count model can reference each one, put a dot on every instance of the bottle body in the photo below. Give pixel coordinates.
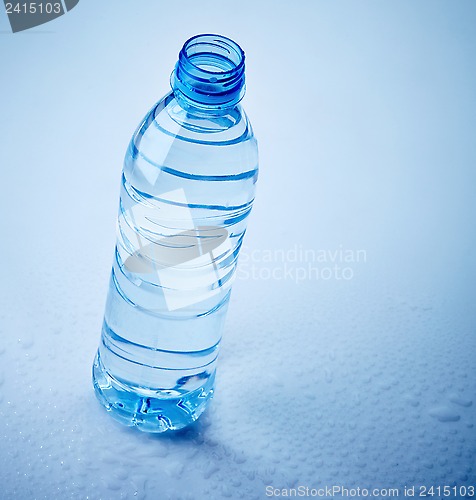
(187, 188)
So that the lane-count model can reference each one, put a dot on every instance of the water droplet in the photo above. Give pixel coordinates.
(459, 400)
(114, 486)
(210, 470)
(444, 414)
(412, 400)
(26, 340)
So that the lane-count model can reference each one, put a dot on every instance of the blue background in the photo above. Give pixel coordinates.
(365, 114)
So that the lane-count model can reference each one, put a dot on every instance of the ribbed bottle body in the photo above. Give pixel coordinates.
(187, 188)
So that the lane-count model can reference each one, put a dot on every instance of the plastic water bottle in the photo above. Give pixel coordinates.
(187, 188)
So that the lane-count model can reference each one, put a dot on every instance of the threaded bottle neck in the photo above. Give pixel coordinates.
(210, 72)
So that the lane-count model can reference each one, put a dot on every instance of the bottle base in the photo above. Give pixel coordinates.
(144, 411)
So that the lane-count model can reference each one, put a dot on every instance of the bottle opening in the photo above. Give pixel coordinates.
(213, 54)
(210, 72)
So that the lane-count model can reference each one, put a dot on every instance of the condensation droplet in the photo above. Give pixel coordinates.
(444, 414)
(459, 400)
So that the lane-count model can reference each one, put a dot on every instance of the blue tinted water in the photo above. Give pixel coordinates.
(187, 189)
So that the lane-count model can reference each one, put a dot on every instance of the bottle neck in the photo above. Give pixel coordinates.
(209, 76)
